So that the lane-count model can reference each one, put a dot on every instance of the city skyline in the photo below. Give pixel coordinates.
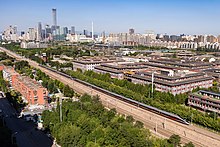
(171, 17)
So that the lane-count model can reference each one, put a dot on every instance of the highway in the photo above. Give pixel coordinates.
(158, 125)
(23, 131)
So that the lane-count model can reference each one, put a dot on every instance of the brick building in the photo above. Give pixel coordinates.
(31, 90)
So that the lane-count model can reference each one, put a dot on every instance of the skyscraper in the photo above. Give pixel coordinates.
(54, 14)
(39, 32)
(54, 26)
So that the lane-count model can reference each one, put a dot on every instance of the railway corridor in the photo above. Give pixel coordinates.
(159, 125)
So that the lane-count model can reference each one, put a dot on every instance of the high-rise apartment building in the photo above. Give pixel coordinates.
(10, 34)
(31, 34)
(64, 31)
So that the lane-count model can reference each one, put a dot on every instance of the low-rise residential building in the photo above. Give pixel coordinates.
(31, 90)
(205, 100)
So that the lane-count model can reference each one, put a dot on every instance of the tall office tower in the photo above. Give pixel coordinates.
(131, 31)
(64, 31)
(54, 14)
(72, 30)
(54, 26)
(39, 32)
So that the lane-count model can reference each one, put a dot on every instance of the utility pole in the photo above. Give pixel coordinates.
(152, 84)
(60, 109)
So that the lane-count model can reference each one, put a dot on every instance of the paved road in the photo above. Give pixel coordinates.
(26, 135)
(199, 136)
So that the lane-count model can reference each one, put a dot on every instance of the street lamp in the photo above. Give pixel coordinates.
(12, 136)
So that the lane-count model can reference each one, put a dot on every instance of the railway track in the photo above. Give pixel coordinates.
(199, 136)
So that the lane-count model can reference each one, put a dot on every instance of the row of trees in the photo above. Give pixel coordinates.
(53, 85)
(71, 51)
(161, 100)
(87, 123)
(58, 65)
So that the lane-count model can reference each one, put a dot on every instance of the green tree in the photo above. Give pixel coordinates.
(21, 64)
(130, 118)
(190, 144)
(174, 140)
(139, 124)
(68, 92)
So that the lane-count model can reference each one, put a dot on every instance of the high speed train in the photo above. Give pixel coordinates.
(125, 99)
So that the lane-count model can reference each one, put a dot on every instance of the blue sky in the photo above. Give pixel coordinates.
(162, 16)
